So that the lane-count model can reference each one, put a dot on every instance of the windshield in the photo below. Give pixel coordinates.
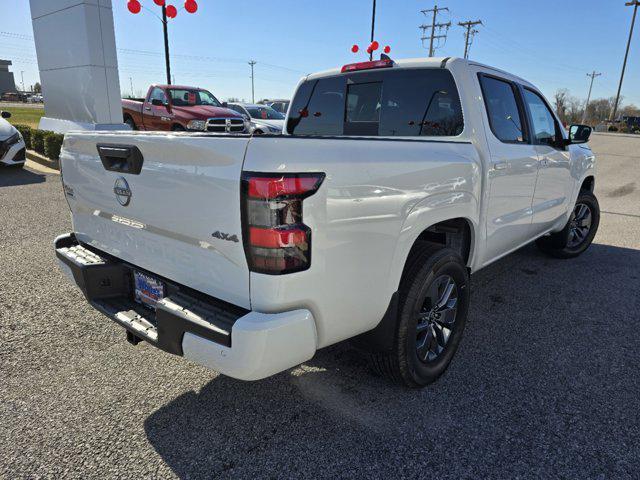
(185, 98)
(264, 113)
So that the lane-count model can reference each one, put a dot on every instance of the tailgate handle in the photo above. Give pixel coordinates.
(121, 158)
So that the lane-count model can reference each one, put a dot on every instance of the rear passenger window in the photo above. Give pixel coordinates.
(505, 117)
(417, 102)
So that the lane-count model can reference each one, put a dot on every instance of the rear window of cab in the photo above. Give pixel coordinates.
(403, 103)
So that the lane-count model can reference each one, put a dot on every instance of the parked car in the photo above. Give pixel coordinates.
(263, 118)
(279, 105)
(36, 98)
(392, 183)
(14, 97)
(176, 108)
(12, 148)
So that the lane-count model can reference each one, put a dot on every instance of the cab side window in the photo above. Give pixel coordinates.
(505, 115)
(544, 126)
(158, 94)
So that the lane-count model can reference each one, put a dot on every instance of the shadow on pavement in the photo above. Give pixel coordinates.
(12, 176)
(544, 384)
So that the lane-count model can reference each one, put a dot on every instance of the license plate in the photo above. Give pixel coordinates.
(148, 290)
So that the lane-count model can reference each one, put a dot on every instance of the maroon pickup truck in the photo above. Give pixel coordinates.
(173, 107)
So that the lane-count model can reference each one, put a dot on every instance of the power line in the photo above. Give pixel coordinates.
(593, 76)
(634, 4)
(432, 28)
(469, 34)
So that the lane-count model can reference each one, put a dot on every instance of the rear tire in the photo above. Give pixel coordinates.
(578, 233)
(129, 121)
(432, 313)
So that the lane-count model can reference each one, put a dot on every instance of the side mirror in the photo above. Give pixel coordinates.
(158, 103)
(579, 134)
(225, 105)
(6, 114)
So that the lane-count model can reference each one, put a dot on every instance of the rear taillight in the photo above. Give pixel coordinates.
(276, 240)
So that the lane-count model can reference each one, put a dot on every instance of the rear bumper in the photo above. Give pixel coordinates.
(239, 343)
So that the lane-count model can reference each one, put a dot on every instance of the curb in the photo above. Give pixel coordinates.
(614, 134)
(42, 160)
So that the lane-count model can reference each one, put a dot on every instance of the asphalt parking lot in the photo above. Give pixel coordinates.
(546, 382)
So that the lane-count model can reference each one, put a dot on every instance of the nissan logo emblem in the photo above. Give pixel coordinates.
(122, 191)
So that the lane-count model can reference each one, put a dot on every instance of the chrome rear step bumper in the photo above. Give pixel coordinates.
(108, 285)
(239, 343)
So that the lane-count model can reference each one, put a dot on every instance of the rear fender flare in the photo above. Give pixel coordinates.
(430, 211)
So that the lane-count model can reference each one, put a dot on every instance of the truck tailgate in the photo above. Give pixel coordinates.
(178, 218)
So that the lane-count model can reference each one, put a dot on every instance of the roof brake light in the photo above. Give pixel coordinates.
(352, 67)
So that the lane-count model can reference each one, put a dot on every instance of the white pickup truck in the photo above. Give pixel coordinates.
(392, 183)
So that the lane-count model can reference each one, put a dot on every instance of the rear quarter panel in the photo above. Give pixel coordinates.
(377, 197)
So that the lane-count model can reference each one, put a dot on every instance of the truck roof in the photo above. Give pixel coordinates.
(420, 62)
(178, 87)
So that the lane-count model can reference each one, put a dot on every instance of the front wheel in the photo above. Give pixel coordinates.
(579, 231)
(434, 300)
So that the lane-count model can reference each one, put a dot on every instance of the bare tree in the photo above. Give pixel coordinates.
(560, 102)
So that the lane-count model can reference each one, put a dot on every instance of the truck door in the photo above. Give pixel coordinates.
(157, 117)
(513, 168)
(554, 187)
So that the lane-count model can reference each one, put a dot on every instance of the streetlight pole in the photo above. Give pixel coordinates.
(614, 110)
(373, 27)
(166, 43)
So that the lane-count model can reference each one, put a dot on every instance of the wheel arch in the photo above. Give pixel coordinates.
(454, 230)
(588, 183)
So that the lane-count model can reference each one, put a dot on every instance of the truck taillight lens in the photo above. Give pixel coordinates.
(275, 238)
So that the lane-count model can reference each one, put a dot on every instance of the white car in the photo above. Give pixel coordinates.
(12, 147)
(392, 183)
(264, 119)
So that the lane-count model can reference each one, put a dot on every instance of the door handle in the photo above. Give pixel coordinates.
(544, 162)
(147, 108)
(501, 165)
(121, 158)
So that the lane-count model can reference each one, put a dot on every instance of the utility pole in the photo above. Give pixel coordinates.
(593, 75)
(166, 42)
(373, 27)
(469, 34)
(131, 83)
(433, 27)
(22, 81)
(253, 95)
(633, 4)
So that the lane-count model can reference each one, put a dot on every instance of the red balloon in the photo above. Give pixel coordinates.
(134, 6)
(375, 45)
(191, 6)
(172, 12)
(160, 3)
(387, 49)
(355, 49)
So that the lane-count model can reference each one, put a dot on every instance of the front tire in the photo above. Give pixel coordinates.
(432, 313)
(578, 233)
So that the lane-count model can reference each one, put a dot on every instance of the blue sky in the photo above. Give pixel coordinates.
(551, 43)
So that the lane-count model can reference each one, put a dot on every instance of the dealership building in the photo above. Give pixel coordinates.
(7, 82)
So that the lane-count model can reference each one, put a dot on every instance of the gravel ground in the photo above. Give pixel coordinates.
(545, 383)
